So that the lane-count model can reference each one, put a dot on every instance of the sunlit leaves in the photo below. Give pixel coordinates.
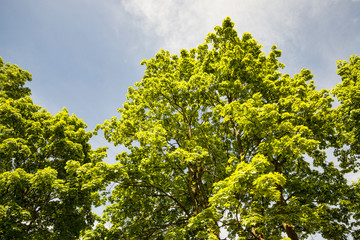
(219, 138)
(347, 143)
(49, 176)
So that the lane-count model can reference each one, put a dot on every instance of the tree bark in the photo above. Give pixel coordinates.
(289, 228)
(290, 231)
(256, 236)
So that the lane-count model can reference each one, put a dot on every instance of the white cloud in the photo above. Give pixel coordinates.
(312, 34)
(185, 23)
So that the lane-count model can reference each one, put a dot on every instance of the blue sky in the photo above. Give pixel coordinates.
(84, 54)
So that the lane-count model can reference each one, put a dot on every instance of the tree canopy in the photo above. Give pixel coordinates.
(220, 145)
(220, 140)
(49, 176)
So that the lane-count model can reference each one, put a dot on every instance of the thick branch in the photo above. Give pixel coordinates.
(238, 139)
(256, 236)
(289, 228)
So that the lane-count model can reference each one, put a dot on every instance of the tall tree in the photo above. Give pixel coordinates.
(49, 176)
(348, 126)
(348, 112)
(220, 139)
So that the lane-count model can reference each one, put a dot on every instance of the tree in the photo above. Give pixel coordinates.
(347, 147)
(220, 139)
(49, 176)
(348, 112)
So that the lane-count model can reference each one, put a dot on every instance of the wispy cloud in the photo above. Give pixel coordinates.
(185, 23)
(312, 34)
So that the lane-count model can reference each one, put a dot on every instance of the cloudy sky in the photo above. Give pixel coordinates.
(84, 54)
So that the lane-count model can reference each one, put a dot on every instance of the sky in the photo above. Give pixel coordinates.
(84, 54)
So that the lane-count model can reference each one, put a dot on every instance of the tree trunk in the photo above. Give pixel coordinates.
(290, 231)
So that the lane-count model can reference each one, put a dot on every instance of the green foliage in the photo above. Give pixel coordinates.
(348, 140)
(49, 176)
(219, 138)
(348, 113)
